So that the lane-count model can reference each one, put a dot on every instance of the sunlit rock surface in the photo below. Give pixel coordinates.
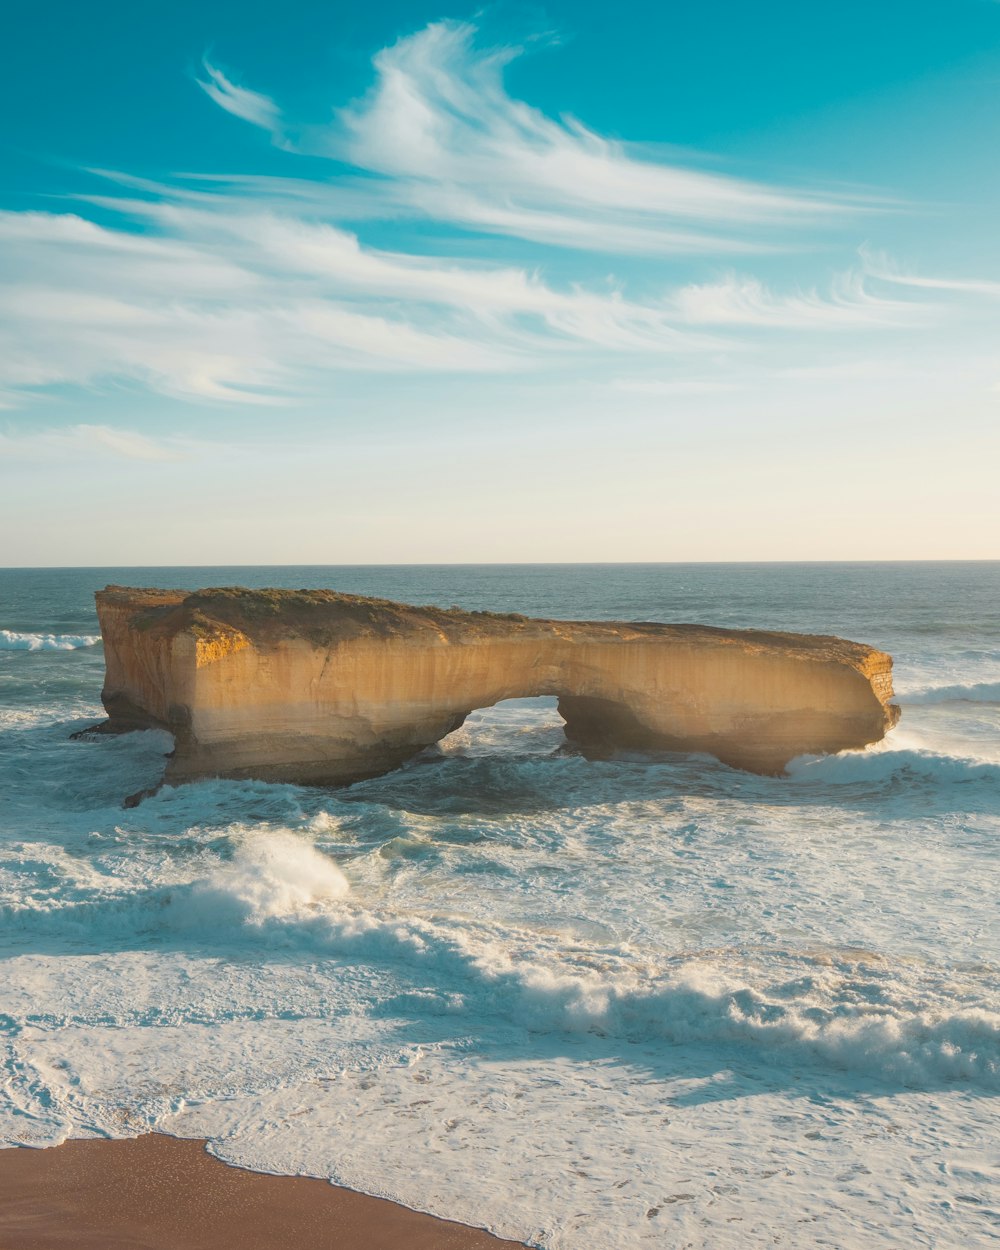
(312, 686)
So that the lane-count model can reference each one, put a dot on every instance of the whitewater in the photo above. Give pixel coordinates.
(644, 1001)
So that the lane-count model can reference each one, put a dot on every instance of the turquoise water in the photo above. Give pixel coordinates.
(642, 1001)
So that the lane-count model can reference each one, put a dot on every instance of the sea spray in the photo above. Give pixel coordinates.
(270, 874)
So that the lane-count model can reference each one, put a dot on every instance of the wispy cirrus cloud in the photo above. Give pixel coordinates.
(746, 301)
(446, 140)
(241, 306)
(441, 125)
(251, 106)
(881, 266)
(235, 303)
(253, 290)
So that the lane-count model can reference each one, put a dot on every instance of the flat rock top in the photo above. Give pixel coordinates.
(326, 617)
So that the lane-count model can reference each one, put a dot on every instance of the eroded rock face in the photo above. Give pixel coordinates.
(317, 687)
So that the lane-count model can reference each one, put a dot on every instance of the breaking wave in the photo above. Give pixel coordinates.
(277, 890)
(919, 1048)
(11, 641)
(878, 767)
(811, 1019)
(272, 875)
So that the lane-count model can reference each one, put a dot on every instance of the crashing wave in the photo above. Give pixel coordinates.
(877, 767)
(278, 890)
(11, 641)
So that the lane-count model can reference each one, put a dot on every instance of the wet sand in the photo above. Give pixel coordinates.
(165, 1193)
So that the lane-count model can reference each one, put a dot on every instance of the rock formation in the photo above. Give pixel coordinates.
(317, 687)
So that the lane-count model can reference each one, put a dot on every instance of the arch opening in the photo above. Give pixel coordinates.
(531, 725)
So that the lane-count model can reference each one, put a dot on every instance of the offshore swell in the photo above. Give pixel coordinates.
(624, 1003)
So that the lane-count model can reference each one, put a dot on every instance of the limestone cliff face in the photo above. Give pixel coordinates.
(318, 687)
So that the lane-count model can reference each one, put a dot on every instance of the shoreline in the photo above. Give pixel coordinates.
(156, 1192)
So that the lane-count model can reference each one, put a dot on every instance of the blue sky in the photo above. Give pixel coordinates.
(391, 282)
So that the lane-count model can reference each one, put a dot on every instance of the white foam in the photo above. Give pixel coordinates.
(271, 874)
(825, 1017)
(406, 1058)
(519, 727)
(876, 766)
(11, 641)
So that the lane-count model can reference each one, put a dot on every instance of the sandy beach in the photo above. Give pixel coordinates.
(163, 1193)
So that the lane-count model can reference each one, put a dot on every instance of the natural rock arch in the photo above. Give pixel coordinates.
(318, 687)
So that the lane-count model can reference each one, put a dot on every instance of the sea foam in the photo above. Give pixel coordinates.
(881, 766)
(271, 874)
(11, 641)
(880, 1020)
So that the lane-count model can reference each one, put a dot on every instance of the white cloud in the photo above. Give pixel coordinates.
(252, 290)
(244, 306)
(251, 106)
(746, 301)
(225, 300)
(879, 265)
(449, 143)
(440, 126)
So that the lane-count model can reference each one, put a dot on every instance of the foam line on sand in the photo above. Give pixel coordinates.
(167, 1193)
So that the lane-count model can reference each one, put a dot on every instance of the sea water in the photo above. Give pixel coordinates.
(645, 1001)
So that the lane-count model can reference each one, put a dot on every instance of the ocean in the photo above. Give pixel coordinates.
(637, 1002)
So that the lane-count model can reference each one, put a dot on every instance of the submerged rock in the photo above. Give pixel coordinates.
(317, 687)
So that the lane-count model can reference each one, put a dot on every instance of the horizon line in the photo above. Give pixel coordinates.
(476, 564)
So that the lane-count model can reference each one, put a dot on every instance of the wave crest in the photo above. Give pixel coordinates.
(831, 1016)
(270, 875)
(823, 1018)
(884, 1024)
(12, 641)
(879, 767)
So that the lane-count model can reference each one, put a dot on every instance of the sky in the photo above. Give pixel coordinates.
(406, 283)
